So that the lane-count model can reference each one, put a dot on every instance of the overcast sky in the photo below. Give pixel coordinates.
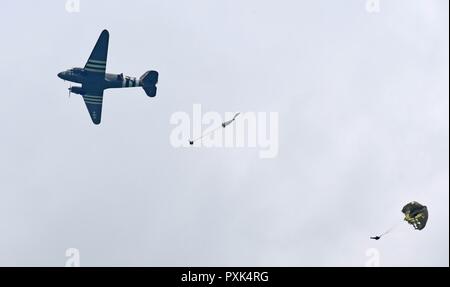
(363, 103)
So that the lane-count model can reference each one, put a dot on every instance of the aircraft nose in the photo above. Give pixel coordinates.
(61, 75)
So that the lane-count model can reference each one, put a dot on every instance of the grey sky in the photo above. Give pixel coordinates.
(363, 101)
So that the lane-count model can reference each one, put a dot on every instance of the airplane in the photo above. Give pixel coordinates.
(94, 79)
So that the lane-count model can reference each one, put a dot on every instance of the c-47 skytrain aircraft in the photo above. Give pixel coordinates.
(94, 79)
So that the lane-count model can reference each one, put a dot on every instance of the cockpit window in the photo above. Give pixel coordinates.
(76, 71)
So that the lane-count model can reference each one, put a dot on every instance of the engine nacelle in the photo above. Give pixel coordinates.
(77, 90)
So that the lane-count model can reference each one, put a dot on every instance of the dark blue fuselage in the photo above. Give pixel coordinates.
(92, 79)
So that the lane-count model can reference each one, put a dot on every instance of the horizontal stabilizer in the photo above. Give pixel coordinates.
(148, 82)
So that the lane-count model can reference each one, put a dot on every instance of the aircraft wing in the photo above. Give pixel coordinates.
(96, 64)
(93, 100)
(97, 60)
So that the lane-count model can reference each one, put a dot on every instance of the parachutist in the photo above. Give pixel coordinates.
(376, 237)
(191, 142)
(224, 124)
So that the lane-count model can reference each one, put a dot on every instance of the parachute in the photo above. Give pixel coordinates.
(416, 214)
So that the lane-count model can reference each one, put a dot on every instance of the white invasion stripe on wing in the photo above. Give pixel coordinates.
(97, 61)
(95, 66)
(96, 70)
(93, 100)
(93, 96)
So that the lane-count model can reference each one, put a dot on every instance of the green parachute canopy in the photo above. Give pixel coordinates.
(416, 214)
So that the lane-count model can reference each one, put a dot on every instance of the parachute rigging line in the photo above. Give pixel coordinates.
(191, 142)
(223, 125)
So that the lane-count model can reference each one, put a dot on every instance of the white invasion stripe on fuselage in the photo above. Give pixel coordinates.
(129, 82)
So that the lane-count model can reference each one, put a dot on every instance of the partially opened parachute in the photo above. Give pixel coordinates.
(416, 214)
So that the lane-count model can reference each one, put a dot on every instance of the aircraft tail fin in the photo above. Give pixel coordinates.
(149, 80)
